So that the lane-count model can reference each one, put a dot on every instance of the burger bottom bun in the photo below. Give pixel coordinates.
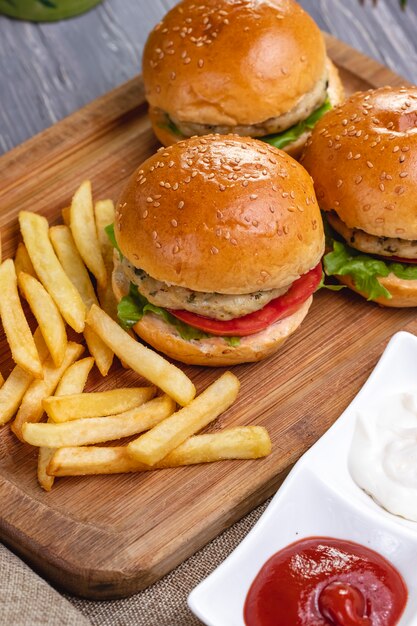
(212, 351)
(215, 351)
(168, 136)
(404, 292)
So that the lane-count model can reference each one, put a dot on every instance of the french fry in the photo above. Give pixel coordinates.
(47, 315)
(66, 215)
(142, 360)
(22, 261)
(102, 354)
(34, 230)
(70, 259)
(1, 255)
(1, 380)
(18, 381)
(16, 328)
(241, 442)
(98, 429)
(104, 215)
(172, 432)
(75, 377)
(83, 228)
(31, 408)
(98, 404)
(72, 381)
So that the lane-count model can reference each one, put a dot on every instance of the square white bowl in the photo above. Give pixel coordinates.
(320, 498)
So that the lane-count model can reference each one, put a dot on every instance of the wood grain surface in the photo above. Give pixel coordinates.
(103, 537)
(49, 70)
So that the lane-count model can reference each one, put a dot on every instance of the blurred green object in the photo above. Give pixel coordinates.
(45, 10)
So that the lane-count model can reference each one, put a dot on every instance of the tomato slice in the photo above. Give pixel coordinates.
(253, 323)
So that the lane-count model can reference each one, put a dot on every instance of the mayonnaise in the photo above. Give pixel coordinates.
(383, 454)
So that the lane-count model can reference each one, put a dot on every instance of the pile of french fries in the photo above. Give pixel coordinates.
(64, 274)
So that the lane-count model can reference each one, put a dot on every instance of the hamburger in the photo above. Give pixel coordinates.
(363, 159)
(257, 68)
(219, 241)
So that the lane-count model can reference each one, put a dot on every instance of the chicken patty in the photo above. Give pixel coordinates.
(215, 305)
(372, 244)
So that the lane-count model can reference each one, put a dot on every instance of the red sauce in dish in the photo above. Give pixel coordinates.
(320, 581)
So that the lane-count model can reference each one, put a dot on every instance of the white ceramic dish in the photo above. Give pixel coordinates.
(319, 498)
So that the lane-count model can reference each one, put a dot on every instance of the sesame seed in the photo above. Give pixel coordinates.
(174, 223)
(162, 183)
(222, 187)
(181, 204)
(369, 164)
(382, 186)
(339, 183)
(253, 196)
(403, 174)
(154, 235)
(245, 183)
(149, 199)
(357, 156)
(158, 245)
(145, 214)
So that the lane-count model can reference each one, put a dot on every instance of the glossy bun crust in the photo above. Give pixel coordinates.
(221, 214)
(403, 292)
(363, 158)
(210, 62)
(213, 351)
(168, 135)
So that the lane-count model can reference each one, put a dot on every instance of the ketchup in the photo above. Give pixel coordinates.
(320, 581)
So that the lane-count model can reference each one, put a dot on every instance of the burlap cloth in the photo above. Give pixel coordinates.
(27, 600)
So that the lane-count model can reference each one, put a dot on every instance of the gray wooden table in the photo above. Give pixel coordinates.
(49, 70)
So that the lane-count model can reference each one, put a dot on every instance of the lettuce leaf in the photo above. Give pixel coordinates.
(134, 306)
(292, 134)
(110, 234)
(365, 270)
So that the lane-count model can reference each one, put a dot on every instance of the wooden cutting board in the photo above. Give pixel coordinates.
(106, 537)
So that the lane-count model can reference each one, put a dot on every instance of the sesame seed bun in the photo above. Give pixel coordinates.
(226, 63)
(403, 292)
(212, 351)
(168, 134)
(363, 158)
(225, 214)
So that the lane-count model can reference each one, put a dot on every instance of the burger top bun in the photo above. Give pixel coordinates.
(227, 62)
(221, 214)
(363, 158)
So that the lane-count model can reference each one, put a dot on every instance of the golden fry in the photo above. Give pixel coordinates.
(241, 442)
(66, 215)
(16, 328)
(31, 409)
(22, 261)
(102, 354)
(98, 404)
(1, 254)
(72, 381)
(142, 360)
(172, 432)
(105, 214)
(47, 315)
(75, 377)
(83, 228)
(34, 230)
(1, 380)
(98, 429)
(70, 259)
(17, 382)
